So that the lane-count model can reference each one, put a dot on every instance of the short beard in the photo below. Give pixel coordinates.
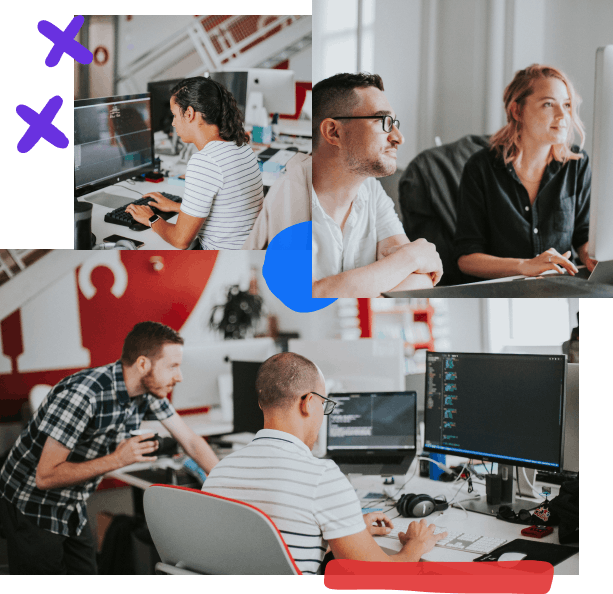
(151, 387)
(375, 168)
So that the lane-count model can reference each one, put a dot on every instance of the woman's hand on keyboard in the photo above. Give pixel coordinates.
(421, 535)
(383, 523)
(140, 213)
(162, 203)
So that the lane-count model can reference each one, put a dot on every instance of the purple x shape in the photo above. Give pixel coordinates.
(64, 42)
(41, 126)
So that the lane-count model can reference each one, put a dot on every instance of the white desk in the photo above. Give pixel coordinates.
(454, 519)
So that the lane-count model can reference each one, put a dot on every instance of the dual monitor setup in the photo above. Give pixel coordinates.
(114, 136)
(514, 410)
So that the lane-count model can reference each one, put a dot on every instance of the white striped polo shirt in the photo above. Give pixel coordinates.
(223, 183)
(309, 499)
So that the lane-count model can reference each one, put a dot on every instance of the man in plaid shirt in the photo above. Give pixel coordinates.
(80, 432)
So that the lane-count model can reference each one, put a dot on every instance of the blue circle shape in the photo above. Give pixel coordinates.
(288, 269)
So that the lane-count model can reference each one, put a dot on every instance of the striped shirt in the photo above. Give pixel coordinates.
(89, 413)
(309, 499)
(223, 183)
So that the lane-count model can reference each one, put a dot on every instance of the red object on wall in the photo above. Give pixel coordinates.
(365, 318)
(168, 297)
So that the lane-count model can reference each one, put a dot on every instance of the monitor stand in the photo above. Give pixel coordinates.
(481, 506)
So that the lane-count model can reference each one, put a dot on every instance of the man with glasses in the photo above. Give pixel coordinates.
(310, 501)
(360, 248)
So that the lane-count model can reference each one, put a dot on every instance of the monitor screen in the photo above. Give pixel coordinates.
(161, 116)
(372, 420)
(248, 416)
(236, 84)
(112, 140)
(502, 408)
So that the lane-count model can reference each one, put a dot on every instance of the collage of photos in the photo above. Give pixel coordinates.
(431, 183)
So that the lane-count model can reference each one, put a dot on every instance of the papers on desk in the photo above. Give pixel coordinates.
(282, 157)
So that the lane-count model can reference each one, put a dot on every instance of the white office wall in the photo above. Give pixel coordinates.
(465, 320)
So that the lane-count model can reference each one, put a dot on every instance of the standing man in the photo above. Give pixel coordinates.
(360, 248)
(79, 433)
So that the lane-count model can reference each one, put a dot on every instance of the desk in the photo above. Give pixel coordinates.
(529, 287)
(455, 519)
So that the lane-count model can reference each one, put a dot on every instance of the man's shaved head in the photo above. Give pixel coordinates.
(283, 378)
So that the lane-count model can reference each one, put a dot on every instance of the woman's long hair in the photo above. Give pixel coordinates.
(216, 104)
(506, 141)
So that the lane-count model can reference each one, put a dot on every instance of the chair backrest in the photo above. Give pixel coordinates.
(428, 195)
(210, 534)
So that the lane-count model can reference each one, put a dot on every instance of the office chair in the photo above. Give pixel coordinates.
(201, 533)
(428, 196)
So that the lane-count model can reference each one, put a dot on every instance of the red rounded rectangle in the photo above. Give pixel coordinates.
(529, 577)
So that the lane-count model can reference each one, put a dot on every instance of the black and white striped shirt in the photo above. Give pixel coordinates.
(223, 183)
(88, 412)
(309, 499)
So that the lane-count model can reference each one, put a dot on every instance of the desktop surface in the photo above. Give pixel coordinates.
(560, 286)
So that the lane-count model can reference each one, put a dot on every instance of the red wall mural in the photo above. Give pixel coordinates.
(141, 293)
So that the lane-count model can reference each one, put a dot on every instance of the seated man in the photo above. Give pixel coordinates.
(360, 248)
(287, 203)
(311, 502)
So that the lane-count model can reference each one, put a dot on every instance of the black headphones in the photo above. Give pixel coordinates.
(420, 506)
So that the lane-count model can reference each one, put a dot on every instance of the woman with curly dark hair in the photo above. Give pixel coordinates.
(223, 185)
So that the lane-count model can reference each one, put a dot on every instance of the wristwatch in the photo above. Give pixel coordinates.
(153, 219)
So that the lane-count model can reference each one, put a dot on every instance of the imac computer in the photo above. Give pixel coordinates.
(247, 415)
(507, 409)
(113, 141)
(601, 202)
(277, 87)
(373, 433)
(207, 372)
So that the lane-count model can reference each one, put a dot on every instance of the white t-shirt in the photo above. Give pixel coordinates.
(371, 220)
(309, 499)
(223, 183)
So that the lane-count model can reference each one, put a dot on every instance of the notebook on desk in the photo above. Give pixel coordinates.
(373, 433)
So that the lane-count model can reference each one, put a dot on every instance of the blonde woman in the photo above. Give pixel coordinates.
(525, 200)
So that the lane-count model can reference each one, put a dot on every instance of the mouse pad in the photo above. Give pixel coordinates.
(534, 551)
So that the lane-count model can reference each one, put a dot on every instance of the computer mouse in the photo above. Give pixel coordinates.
(512, 556)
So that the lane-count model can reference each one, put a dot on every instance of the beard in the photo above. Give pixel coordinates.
(153, 386)
(374, 167)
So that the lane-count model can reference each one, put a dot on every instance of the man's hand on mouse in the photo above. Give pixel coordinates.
(140, 213)
(422, 535)
(378, 523)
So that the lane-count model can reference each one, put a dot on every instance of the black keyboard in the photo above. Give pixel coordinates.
(556, 478)
(119, 216)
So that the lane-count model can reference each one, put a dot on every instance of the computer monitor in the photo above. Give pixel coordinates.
(600, 245)
(207, 372)
(499, 408)
(161, 116)
(113, 141)
(277, 86)
(236, 83)
(248, 416)
(373, 432)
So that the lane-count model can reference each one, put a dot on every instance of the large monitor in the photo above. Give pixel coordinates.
(236, 83)
(113, 141)
(373, 432)
(601, 202)
(161, 116)
(507, 409)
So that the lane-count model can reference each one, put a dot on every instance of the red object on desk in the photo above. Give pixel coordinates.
(155, 181)
(537, 531)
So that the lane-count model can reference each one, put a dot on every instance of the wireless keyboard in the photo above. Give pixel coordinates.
(119, 216)
(461, 541)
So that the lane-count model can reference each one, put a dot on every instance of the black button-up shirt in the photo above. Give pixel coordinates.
(495, 216)
(89, 412)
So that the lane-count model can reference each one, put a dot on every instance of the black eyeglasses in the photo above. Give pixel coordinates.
(329, 404)
(387, 120)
